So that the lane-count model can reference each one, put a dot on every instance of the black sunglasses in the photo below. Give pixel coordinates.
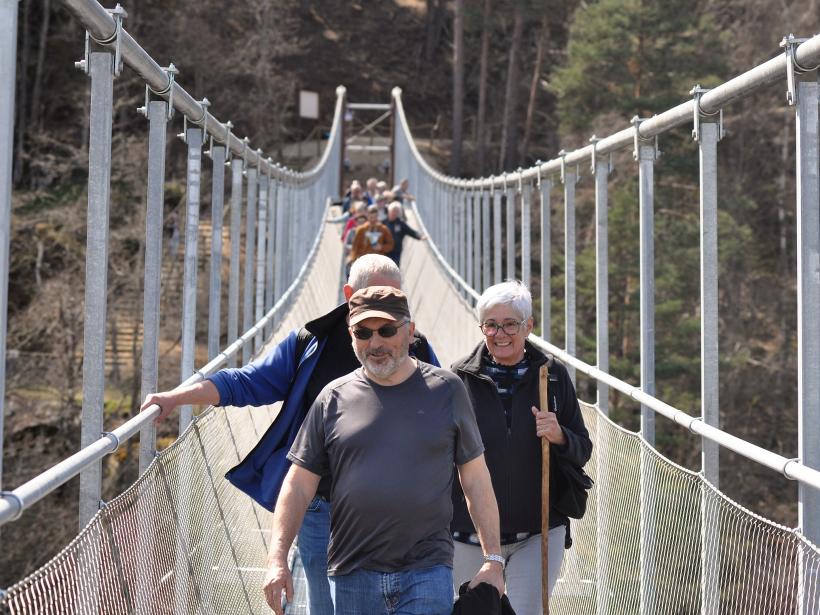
(363, 333)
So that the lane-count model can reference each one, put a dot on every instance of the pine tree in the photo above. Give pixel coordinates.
(635, 57)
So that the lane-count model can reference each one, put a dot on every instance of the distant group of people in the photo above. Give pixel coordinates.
(407, 484)
(375, 221)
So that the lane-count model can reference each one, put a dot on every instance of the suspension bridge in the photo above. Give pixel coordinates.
(657, 537)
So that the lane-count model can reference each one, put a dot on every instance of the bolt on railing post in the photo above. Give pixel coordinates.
(526, 238)
(101, 71)
(157, 113)
(193, 137)
(509, 224)
(808, 325)
(237, 173)
(8, 57)
(250, 261)
(215, 286)
(546, 261)
(707, 134)
(570, 177)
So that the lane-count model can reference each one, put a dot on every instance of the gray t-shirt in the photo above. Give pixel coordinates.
(391, 452)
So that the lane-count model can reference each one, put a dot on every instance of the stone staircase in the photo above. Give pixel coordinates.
(125, 320)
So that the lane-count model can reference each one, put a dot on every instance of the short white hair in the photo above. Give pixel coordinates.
(512, 293)
(394, 206)
(371, 266)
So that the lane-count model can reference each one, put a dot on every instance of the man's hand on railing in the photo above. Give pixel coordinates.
(202, 393)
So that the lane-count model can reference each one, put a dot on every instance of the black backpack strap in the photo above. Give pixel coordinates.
(303, 339)
(420, 348)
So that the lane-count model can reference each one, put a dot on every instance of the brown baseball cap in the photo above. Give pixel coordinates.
(378, 302)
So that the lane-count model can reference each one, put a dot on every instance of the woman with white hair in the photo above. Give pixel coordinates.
(501, 376)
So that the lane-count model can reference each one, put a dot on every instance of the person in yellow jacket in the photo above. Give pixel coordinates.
(372, 237)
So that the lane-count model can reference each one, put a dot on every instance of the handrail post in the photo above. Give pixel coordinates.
(237, 175)
(8, 63)
(808, 325)
(215, 286)
(193, 138)
(250, 264)
(279, 246)
(545, 186)
(477, 228)
(525, 191)
(270, 259)
(101, 71)
(498, 276)
(645, 153)
(157, 112)
(509, 224)
(486, 254)
(470, 233)
(707, 133)
(261, 252)
(602, 535)
(569, 175)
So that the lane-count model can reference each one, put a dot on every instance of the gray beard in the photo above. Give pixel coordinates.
(380, 370)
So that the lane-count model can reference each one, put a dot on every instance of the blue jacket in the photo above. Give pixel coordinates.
(279, 375)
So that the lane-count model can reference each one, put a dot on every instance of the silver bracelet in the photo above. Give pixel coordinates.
(494, 557)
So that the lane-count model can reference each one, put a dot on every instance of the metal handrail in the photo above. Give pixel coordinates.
(807, 53)
(100, 25)
(791, 468)
(14, 503)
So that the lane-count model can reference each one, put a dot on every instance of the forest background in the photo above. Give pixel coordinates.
(489, 85)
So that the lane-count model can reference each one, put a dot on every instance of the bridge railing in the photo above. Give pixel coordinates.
(474, 225)
(278, 207)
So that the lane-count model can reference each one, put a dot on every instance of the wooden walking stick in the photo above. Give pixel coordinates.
(543, 384)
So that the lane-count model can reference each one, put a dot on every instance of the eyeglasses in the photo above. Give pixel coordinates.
(510, 327)
(363, 333)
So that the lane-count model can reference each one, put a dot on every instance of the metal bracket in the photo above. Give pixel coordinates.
(520, 172)
(171, 71)
(538, 164)
(636, 123)
(786, 465)
(563, 154)
(697, 92)
(205, 103)
(183, 135)
(245, 142)
(118, 13)
(789, 44)
(504, 183)
(10, 495)
(228, 154)
(113, 437)
(594, 162)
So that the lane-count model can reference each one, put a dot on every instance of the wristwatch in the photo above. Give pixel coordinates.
(494, 557)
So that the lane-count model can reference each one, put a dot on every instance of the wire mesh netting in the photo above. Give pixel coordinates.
(182, 540)
(658, 538)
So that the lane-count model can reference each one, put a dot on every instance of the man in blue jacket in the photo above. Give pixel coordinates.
(294, 371)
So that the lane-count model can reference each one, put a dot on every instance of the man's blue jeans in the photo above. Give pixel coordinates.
(312, 544)
(428, 591)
